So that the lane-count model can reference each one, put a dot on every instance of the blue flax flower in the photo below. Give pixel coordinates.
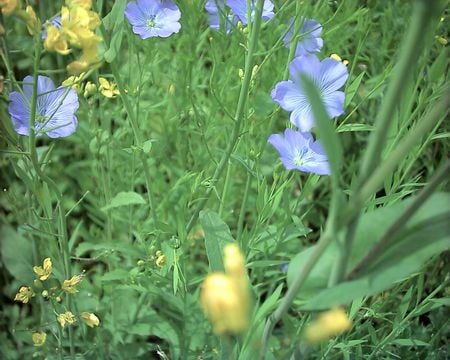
(328, 75)
(299, 151)
(217, 11)
(56, 22)
(239, 8)
(310, 40)
(55, 108)
(153, 18)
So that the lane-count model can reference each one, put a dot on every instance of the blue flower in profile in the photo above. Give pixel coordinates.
(153, 18)
(55, 108)
(217, 11)
(299, 151)
(328, 75)
(239, 8)
(309, 37)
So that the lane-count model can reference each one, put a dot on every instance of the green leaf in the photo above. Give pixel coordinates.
(325, 127)
(114, 22)
(426, 234)
(147, 146)
(354, 127)
(17, 255)
(409, 342)
(217, 235)
(114, 45)
(124, 198)
(351, 90)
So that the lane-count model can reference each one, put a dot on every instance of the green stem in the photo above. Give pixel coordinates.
(226, 187)
(239, 116)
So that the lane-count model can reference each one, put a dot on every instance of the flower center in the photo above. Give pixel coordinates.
(151, 22)
(299, 159)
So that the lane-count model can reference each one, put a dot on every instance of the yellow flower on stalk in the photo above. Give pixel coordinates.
(90, 319)
(66, 317)
(225, 297)
(108, 89)
(55, 41)
(86, 4)
(89, 89)
(39, 338)
(24, 294)
(328, 324)
(8, 6)
(44, 272)
(31, 20)
(78, 66)
(77, 24)
(69, 285)
(75, 82)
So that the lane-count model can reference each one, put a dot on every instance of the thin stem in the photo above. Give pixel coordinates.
(441, 174)
(239, 115)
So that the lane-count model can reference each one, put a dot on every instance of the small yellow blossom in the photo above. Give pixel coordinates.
(33, 23)
(108, 89)
(69, 285)
(338, 58)
(161, 260)
(441, 40)
(90, 319)
(24, 294)
(89, 89)
(55, 41)
(75, 82)
(8, 6)
(67, 317)
(44, 271)
(328, 324)
(39, 338)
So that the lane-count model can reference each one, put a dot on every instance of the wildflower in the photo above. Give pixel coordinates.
(225, 297)
(328, 324)
(8, 6)
(78, 66)
(44, 272)
(151, 18)
(89, 89)
(217, 11)
(108, 89)
(74, 82)
(38, 338)
(310, 40)
(24, 294)
(90, 319)
(86, 4)
(239, 8)
(55, 41)
(31, 20)
(66, 317)
(56, 22)
(299, 151)
(77, 25)
(69, 285)
(161, 259)
(55, 109)
(328, 75)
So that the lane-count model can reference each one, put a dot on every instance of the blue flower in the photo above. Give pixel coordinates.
(239, 8)
(217, 11)
(55, 108)
(151, 18)
(310, 40)
(299, 151)
(328, 75)
(56, 22)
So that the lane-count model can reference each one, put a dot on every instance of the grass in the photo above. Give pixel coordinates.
(164, 138)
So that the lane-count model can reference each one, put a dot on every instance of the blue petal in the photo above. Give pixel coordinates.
(333, 75)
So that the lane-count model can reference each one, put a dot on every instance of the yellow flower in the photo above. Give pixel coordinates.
(24, 294)
(225, 298)
(338, 58)
(75, 82)
(8, 6)
(90, 319)
(55, 41)
(161, 260)
(44, 272)
(33, 23)
(89, 89)
(77, 24)
(83, 3)
(69, 285)
(441, 40)
(108, 89)
(67, 317)
(78, 66)
(328, 324)
(39, 338)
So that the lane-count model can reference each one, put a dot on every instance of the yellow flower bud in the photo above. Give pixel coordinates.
(38, 338)
(77, 67)
(8, 6)
(222, 303)
(45, 271)
(90, 89)
(441, 40)
(234, 261)
(328, 324)
(33, 23)
(161, 260)
(90, 319)
(66, 317)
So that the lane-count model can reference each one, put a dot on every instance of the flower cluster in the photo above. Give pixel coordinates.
(297, 149)
(229, 12)
(54, 291)
(153, 18)
(75, 28)
(225, 297)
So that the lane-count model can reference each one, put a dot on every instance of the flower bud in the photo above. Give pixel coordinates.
(38, 338)
(328, 324)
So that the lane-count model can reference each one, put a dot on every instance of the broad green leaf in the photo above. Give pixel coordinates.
(124, 198)
(114, 45)
(114, 22)
(117, 274)
(325, 127)
(437, 69)
(351, 90)
(426, 234)
(217, 235)
(17, 255)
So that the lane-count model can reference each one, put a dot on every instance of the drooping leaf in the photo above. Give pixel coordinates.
(124, 198)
